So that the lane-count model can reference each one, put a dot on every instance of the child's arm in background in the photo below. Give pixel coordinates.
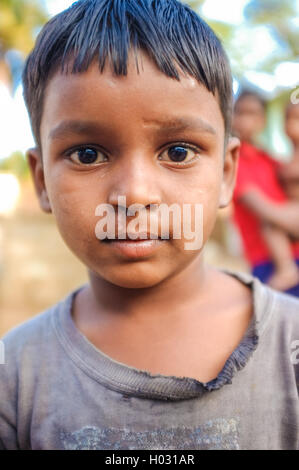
(289, 178)
(286, 273)
(284, 216)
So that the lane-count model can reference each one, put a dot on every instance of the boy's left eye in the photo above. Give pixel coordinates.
(87, 156)
(179, 153)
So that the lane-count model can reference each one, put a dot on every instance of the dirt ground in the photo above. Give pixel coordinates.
(37, 269)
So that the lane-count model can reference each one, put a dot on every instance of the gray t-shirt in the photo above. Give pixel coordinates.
(58, 391)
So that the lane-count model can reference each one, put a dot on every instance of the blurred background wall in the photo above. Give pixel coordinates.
(36, 268)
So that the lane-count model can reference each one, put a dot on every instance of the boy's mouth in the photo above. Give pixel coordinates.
(109, 240)
(132, 237)
(142, 246)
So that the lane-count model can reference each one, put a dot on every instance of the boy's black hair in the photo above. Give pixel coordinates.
(173, 35)
(251, 94)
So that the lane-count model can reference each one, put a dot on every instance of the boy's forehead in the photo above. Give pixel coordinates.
(145, 92)
(140, 69)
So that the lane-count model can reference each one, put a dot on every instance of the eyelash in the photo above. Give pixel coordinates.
(187, 146)
(172, 144)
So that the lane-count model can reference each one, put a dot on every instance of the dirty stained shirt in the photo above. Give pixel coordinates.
(58, 391)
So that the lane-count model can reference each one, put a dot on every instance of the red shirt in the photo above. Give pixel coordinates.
(256, 168)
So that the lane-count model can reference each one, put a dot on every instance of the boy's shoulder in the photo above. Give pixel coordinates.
(270, 306)
(286, 308)
(35, 333)
(286, 313)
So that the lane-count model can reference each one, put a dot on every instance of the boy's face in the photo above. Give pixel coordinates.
(249, 118)
(149, 138)
(292, 123)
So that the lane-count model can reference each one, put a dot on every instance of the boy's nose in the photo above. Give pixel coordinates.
(138, 184)
(135, 194)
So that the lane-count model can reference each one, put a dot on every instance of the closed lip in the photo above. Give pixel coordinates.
(133, 236)
(134, 249)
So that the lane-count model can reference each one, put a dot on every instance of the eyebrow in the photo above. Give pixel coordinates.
(183, 123)
(172, 124)
(74, 127)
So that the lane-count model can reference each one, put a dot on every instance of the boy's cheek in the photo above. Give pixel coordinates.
(74, 211)
(206, 196)
(210, 211)
(70, 196)
(70, 205)
(209, 197)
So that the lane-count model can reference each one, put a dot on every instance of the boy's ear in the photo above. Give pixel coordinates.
(229, 171)
(37, 172)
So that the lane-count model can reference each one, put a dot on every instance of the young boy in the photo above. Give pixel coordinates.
(267, 245)
(158, 350)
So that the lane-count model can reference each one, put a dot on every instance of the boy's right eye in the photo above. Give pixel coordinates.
(87, 156)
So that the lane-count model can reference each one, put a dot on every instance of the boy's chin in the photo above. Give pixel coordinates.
(135, 283)
(133, 278)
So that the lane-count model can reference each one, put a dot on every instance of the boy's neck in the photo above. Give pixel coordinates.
(104, 296)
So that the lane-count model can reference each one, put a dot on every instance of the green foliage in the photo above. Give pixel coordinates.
(18, 21)
(277, 16)
(195, 4)
(15, 164)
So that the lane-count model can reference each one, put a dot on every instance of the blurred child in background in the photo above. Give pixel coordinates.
(260, 203)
